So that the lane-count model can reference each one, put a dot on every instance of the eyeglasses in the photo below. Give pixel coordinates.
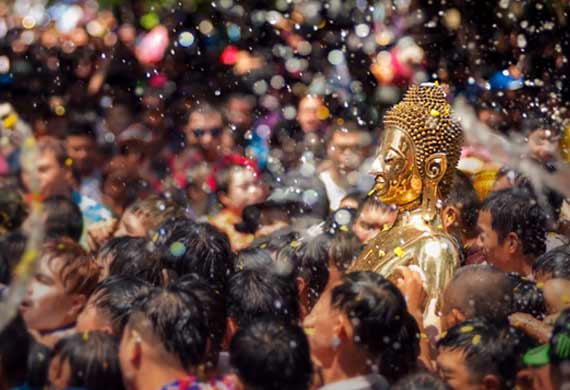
(215, 132)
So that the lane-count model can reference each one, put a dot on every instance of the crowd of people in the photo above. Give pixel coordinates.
(203, 175)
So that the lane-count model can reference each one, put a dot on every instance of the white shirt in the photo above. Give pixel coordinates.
(367, 382)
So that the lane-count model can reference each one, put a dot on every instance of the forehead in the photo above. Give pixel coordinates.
(240, 174)
(346, 137)
(47, 156)
(310, 102)
(372, 213)
(451, 359)
(199, 119)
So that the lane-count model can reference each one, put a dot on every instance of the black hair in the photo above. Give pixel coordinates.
(14, 346)
(422, 380)
(276, 240)
(199, 248)
(260, 293)
(344, 248)
(212, 303)
(555, 263)
(358, 196)
(516, 210)
(63, 218)
(131, 256)
(252, 258)
(381, 322)
(38, 365)
(174, 315)
(12, 247)
(93, 360)
(80, 129)
(560, 339)
(463, 196)
(271, 355)
(527, 297)
(489, 349)
(115, 296)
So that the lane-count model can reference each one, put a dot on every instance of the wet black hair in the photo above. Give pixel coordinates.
(38, 365)
(555, 263)
(63, 218)
(423, 380)
(14, 346)
(260, 293)
(175, 317)
(463, 196)
(213, 305)
(272, 355)
(527, 297)
(381, 322)
(131, 256)
(516, 210)
(276, 240)
(200, 248)
(489, 349)
(115, 296)
(93, 359)
(252, 258)
(78, 129)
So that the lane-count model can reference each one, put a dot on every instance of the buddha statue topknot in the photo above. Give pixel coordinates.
(414, 169)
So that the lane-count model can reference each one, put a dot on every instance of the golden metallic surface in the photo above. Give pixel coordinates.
(414, 167)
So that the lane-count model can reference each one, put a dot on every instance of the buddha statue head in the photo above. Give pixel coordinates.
(419, 150)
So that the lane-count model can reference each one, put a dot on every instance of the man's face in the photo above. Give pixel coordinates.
(543, 145)
(244, 189)
(239, 113)
(205, 131)
(495, 252)
(346, 150)
(452, 368)
(53, 177)
(82, 150)
(47, 306)
(308, 114)
(371, 221)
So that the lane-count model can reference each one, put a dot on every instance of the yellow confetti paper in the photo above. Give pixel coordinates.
(476, 339)
(399, 252)
(466, 329)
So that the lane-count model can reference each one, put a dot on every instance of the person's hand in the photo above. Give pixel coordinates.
(410, 284)
(531, 326)
(100, 232)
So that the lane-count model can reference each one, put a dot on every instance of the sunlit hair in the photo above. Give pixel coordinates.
(153, 210)
(55, 146)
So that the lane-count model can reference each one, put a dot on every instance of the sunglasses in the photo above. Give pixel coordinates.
(215, 132)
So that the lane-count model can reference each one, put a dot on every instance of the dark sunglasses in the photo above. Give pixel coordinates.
(215, 132)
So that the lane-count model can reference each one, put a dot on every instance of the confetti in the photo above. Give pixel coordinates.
(381, 253)
(476, 339)
(466, 329)
(85, 336)
(434, 113)
(295, 244)
(399, 252)
(68, 162)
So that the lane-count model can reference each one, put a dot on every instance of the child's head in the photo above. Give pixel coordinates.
(238, 185)
(527, 297)
(65, 278)
(88, 360)
(553, 264)
(109, 306)
(462, 208)
(372, 217)
(144, 216)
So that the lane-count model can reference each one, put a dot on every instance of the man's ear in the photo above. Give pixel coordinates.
(344, 329)
(450, 216)
(135, 350)
(491, 382)
(513, 243)
(231, 330)
(78, 302)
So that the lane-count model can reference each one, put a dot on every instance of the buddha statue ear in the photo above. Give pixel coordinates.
(435, 167)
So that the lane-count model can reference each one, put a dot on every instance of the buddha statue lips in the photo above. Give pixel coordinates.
(414, 166)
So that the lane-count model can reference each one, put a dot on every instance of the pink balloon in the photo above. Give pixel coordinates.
(152, 47)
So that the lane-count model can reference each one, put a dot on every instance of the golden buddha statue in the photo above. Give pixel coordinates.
(414, 170)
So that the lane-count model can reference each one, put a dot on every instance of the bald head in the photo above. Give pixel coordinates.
(479, 291)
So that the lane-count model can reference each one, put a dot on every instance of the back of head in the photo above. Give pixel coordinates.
(93, 360)
(554, 264)
(196, 248)
(171, 320)
(260, 293)
(420, 381)
(480, 291)
(14, 346)
(516, 210)
(63, 218)
(463, 196)
(271, 355)
(378, 312)
(489, 349)
(527, 297)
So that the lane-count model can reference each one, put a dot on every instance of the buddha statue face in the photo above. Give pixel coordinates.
(398, 180)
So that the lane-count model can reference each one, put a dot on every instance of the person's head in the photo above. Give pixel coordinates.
(213, 305)
(347, 146)
(199, 248)
(109, 306)
(53, 169)
(364, 318)
(512, 230)
(477, 354)
(12, 247)
(310, 113)
(372, 217)
(261, 293)
(238, 184)
(272, 355)
(527, 297)
(62, 218)
(556, 295)
(64, 279)
(14, 346)
(144, 216)
(130, 256)
(239, 111)
(542, 140)
(352, 200)
(12, 208)
(86, 360)
(476, 291)
(461, 208)
(344, 248)
(81, 146)
(121, 184)
(167, 328)
(420, 381)
(552, 264)
(204, 130)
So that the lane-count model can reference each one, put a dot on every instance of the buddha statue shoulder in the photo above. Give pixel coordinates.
(414, 169)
